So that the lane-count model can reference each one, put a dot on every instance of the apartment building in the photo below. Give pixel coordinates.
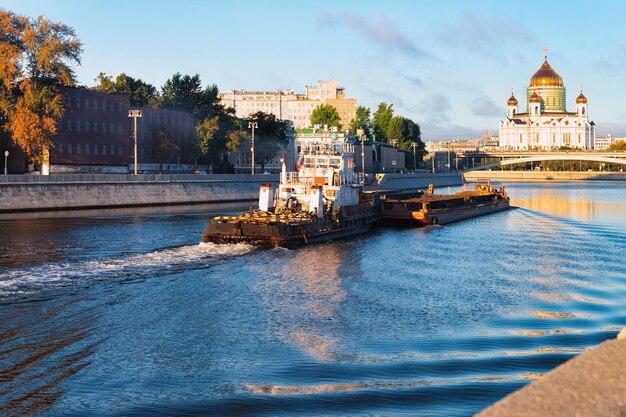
(288, 105)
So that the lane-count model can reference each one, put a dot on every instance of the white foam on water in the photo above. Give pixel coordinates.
(29, 279)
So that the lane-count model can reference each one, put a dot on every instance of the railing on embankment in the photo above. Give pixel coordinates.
(25, 193)
(545, 176)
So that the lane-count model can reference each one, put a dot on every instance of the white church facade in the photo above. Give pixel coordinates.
(546, 124)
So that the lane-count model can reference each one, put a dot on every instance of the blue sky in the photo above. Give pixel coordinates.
(448, 65)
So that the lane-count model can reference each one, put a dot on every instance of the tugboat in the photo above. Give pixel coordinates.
(419, 209)
(322, 200)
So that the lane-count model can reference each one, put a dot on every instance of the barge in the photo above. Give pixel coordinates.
(431, 209)
(322, 200)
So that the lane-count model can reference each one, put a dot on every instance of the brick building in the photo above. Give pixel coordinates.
(95, 135)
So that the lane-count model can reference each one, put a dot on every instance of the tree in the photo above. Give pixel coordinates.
(361, 121)
(182, 93)
(270, 137)
(203, 141)
(36, 57)
(380, 121)
(325, 114)
(405, 132)
(165, 148)
(619, 145)
(141, 93)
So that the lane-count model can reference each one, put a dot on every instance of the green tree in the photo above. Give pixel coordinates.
(619, 145)
(37, 55)
(204, 138)
(182, 92)
(325, 114)
(380, 121)
(141, 93)
(270, 137)
(404, 132)
(361, 121)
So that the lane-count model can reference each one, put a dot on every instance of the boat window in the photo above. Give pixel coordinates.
(322, 162)
(334, 162)
(309, 162)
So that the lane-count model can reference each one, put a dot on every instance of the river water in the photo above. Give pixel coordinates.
(129, 314)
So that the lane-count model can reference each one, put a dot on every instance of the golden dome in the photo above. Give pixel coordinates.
(546, 77)
(512, 101)
(535, 98)
(581, 98)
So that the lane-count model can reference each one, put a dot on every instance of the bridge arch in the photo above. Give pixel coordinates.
(572, 157)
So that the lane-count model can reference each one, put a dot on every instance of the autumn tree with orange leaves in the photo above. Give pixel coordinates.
(35, 58)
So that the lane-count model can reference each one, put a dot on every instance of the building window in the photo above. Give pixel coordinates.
(112, 128)
(68, 100)
(119, 128)
(104, 149)
(95, 127)
(87, 149)
(78, 102)
(78, 125)
(60, 147)
(120, 150)
(112, 150)
(95, 104)
(95, 149)
(69, 148)
(87, 127)
(112, 106)
(104, 127)
(69, 125)
(86, 103)
(78, 148)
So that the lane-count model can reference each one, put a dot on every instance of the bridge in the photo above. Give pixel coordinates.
(520, 157)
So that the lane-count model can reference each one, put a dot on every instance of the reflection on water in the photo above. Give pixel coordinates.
(40, 350)
(132, 315)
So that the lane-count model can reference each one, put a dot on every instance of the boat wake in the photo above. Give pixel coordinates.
(28, 279)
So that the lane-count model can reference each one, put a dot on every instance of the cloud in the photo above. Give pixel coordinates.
(435, 131)
(616, 129)
(488, 37)
(615, 64)
(435, 104)
(483, 106)
(378, 29)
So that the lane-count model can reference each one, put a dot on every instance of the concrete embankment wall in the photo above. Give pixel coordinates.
(108, 191)
(590, 385)
(91, 191)
(545, 176)
(404, 182)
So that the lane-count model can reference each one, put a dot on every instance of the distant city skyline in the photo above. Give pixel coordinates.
(448, 66)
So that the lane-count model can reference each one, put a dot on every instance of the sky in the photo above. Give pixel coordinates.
(447, 65)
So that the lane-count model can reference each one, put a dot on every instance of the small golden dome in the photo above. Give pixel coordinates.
(535, 98)
(512, 101)
(546, 77)
(581, 98)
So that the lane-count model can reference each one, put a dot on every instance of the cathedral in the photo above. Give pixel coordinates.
(546, 124)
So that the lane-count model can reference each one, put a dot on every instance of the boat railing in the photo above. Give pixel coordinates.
(327, 148)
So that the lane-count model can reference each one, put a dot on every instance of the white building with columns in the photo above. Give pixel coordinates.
(546, 124)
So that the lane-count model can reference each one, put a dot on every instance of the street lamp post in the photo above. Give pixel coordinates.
(135, 113)
(6, 156)
(253, 125)
(361, 134)
(414, 146)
